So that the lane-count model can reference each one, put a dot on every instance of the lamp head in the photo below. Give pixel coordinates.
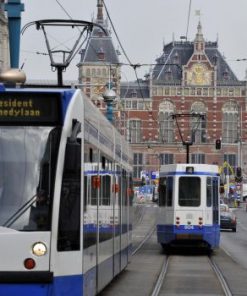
(109, 95)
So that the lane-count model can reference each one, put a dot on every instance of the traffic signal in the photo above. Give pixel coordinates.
(222, 188)
(238, 175)
(218, 144)
(238, 172)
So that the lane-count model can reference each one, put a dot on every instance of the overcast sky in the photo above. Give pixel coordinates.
(143, 26)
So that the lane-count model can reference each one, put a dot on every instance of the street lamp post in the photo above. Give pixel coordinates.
(109, 97)
(194, 129)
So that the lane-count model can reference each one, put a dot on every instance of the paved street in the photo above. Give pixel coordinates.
(235, 244)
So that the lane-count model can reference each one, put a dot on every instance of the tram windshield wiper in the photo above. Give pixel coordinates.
(20, 211)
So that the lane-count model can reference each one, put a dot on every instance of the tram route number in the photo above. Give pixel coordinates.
(188, 227)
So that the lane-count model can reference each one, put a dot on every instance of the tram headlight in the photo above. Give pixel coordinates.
(39, 249)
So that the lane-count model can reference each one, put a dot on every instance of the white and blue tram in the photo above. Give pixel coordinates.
(189, 205)
(65, 194)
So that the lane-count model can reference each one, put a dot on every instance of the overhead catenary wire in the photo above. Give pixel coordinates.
(62, 7)
(134, 66)
(188, 20)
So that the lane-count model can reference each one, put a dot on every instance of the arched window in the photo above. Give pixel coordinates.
(198, 123)
(134, 131)
(166, 123)
(230, 122)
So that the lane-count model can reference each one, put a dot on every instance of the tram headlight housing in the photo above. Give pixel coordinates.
(39, 249)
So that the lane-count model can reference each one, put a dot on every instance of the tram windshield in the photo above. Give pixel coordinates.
(27, 163)
(189, 191)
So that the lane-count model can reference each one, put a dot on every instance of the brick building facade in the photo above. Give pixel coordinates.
(190, 99)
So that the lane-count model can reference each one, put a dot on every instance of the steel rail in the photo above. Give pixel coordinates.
(161, 277)
(146, 238)
(220, 277)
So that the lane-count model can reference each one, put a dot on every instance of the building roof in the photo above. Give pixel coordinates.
(135, 89)
(99, 48)
(97, 45)
(177, 54)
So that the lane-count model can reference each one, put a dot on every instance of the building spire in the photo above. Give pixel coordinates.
(199, 43)
(199, 35)
(100, 11)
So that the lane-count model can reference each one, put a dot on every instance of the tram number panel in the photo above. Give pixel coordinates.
(188, 227)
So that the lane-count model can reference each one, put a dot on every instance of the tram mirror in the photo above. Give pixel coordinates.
(72, 162)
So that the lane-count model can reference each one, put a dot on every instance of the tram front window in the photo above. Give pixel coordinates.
(189, 191)
(27, 168)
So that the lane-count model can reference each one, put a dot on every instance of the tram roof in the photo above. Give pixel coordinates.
(182, 167)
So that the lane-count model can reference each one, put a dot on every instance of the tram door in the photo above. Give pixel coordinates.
(67, 255)
(90, 218)
(216, 209)
(117, 219)
(124, 220)
(105, 220)
(215, 201)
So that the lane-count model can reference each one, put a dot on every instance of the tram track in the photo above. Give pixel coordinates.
(144, 240)
(161, 277)
(220, 277)
(171, 272)
(151, 272)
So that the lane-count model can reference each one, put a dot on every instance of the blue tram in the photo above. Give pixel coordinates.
(189, 205)
(65, 194)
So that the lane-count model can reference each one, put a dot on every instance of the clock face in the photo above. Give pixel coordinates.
(100, 87)
(198, 75)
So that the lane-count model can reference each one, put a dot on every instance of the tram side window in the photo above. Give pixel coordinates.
(105, 190)
(85, 194)
(169, 191)
(94, 187)
(165, 191)
(216, 200)
(125, 188)
(189, 192)
(70, 205)
(131, 191)
(162, 192)
(209, 192)
(124, 202)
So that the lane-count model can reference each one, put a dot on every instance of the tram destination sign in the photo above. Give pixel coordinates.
(30, 108)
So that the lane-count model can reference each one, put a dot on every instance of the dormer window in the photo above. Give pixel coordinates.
(101, 54)
(168, 75)
(176, 58)
(134, 93)
(215, 58)
(100, 33)
(226, 75)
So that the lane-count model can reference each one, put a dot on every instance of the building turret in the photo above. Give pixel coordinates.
(100, 12)
(99, 62)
